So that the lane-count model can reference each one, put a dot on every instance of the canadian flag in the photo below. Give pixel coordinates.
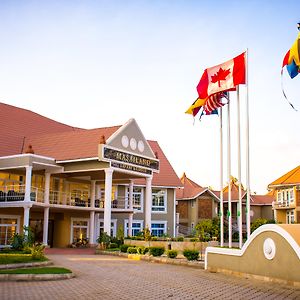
(223, 77)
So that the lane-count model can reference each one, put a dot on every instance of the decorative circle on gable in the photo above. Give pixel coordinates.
(133, 143)
(125, 141)
(141, 146)
(269, 248)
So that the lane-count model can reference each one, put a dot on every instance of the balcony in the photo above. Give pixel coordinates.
(283, 205)
(16, 193)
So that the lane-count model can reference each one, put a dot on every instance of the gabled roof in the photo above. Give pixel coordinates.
(191, 189)
(234, 184)
(290, 178)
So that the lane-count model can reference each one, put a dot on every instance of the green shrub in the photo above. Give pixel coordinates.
(180, 239)
(124, 247)
(132, 250)
(37, 252)
(154, 238)
(142, 250)
(191, 254)
(104, 239)
(113, 245)
(17, 242)
(156, 251)
(172, 253)
(258, 222)
(194, 240)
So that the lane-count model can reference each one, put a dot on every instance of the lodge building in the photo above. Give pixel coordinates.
(70, 184)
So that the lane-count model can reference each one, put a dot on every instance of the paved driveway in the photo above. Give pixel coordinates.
(106, 277)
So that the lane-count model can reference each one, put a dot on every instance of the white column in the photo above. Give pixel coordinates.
(107, 200)
(92, 228)
(26, 218)
(130, 200)
(47, 188)
(93, 193)
(45, 227)
(148, 202)
(28, 182)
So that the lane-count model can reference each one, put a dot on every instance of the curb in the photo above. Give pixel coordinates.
(26, 265)
(35, 277)
(163, 260)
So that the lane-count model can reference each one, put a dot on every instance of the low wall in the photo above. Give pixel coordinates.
(179, 246)
(272, 253)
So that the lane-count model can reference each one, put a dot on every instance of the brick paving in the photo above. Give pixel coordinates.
(108, 277)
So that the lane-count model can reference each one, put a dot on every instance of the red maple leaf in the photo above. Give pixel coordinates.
(220, 75)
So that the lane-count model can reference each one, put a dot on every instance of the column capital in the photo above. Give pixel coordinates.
(108, 171)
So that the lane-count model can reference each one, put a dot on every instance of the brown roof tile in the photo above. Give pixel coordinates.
(71, 144)
(17, 123)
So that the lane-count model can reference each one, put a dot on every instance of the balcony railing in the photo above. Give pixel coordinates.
(11, 193)
(17, 193)
(283, 204)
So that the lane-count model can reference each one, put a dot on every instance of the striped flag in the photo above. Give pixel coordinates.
(214, 102)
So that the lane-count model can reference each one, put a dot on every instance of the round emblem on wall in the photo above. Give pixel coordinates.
(141, 146)
(133, 143)
(125, 141)
(269, 248)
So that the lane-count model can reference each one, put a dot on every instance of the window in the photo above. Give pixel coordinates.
(79, 230)
(290, 217)
(159, 202)
(113, 227)
(279, 197)
(138, 198)
(9, 225)
(291, 195)
(137, 227)
(159, 228)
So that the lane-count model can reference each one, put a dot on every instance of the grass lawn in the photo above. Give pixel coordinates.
(18, 258)
(45, 270)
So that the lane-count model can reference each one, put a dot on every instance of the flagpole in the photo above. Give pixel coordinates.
(239, 211)
(221, 180)
(229, 176)
(247, 148)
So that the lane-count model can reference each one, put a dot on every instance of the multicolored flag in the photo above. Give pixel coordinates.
(223, 77)
(292, 62)
(292, 59)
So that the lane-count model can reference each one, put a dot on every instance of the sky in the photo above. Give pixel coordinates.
(94, 64)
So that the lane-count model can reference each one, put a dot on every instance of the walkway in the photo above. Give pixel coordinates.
(108, 277)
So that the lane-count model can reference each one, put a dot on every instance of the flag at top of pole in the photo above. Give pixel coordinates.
(223, 77)
(216, 80)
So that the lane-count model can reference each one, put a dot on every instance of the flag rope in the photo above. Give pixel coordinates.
(284, 94)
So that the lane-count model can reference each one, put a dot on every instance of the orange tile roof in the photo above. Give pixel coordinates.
(190, 189)
(21, 128)
(291, 177)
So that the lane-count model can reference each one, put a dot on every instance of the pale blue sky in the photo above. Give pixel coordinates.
(98, 63)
